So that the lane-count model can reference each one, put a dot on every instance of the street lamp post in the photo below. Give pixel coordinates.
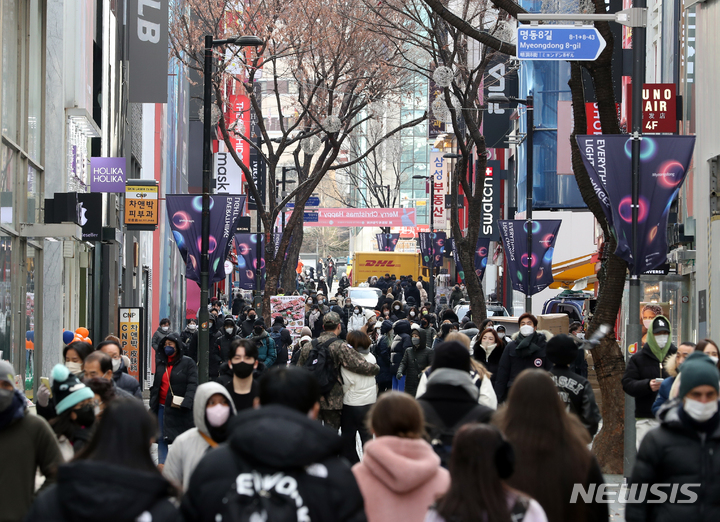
(203, 313)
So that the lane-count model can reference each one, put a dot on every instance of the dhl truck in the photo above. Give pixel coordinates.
(368, 264)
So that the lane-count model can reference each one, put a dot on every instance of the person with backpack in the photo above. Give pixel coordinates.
(279, 463)
(267, 354)
(282, 339)
(323, 358)
(481, 461)
(451, 399)
(400, 475)
(414, 361)
(401, 342)
(574, 390)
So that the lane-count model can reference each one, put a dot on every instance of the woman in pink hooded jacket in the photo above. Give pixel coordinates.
(400, 476)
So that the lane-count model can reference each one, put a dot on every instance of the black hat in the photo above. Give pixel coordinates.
(229, 319)
(259, 322)
(386, 326)
(660, 324)
(452, 355)
(562, 350)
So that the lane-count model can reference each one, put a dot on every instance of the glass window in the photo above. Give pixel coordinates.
(8, 160)
(35, 82)
(33, 195)
(30, 321)
(10, 61)
(5, 298)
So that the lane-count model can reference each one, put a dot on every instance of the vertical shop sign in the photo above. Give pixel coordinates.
(131, 341)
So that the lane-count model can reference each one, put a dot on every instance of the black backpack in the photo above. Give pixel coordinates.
(320, 363)
(441, 436)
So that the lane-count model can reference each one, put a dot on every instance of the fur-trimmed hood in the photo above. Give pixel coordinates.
(548, 335)
(671, 365)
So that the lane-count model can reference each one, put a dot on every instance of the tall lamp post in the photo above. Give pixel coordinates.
(203, 314)
(431, 266)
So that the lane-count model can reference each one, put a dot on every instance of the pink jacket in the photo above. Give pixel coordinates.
(399, 479)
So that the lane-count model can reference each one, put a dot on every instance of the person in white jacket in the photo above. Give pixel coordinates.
(480, 376)
(359, 394)
(357, 319)
(212, 410)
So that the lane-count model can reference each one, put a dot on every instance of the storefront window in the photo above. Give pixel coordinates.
(30, 321)
(10, 61)
(8, 162)
(33, 195)
(35, 83)
(5, 298)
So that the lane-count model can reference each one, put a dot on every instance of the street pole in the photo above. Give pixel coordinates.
(529, 198)
(203, 313)
(634, 331)
(431, 293)
(258, 240)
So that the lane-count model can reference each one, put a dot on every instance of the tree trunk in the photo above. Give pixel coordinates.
(293, 254)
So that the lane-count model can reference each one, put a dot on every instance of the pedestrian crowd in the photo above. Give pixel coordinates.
(404, 412)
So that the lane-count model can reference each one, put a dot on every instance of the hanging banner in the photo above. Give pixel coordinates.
(257, 163)
(185, 213)
(131, 341)
(500, 80)
(481, 256)
(360, 217)
(237, 115)
(663, 166)
(248, 257)
(594, 155)
(439, 170)
(514, 236)
(435, 126)
(490, 209)
(387, 242)
(148, 50)
(228, 174)
(432, 246)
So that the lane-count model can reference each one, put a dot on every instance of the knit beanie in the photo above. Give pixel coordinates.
(453, 355)
(7, 373)
(698, 370)
(562, 350)
(386, 327)
(67, 389)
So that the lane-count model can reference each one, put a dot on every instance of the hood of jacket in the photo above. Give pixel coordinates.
(202, 396)
(660, 352)
(401, 464)
(423, 340)
(671, 365)
(172, 336)
(394, 304)
(402, 327)
(234, 333)
(547, 333)
(88, 489)
(298, 440)
(259, 337)
(453, 377)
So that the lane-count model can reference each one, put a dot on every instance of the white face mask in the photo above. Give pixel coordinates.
(662, 340)
(229, 330)
(527, 329)
(647, 323)
(581, 335)
(713, 359)
(116, 364)
(700, 411)
(164, 328)
(397, 308)
(97, 411)
(192, 327)
(73, 367)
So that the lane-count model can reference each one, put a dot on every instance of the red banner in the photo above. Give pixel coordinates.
(238, 108)
(361, 217)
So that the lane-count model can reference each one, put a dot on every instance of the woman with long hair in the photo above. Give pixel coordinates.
(709, 348)
(487, 348)
(481, 461)
(400, 476)
(550, 448)
(114, 476)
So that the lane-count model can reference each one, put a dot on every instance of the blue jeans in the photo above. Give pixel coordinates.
(162, 445)
(398, 385)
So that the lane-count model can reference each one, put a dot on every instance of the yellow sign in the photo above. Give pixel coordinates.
(421, 203)
(141, 204)
(130, 330)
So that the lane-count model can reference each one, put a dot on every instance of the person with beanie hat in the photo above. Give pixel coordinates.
(451, 399)
(684, 450)
(26, 443)
(74, 408)
(267, 353)
(645, 373)
(574, 390)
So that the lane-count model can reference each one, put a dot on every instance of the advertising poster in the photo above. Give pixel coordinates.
(131, 337)
(292, 309)
(514, 236)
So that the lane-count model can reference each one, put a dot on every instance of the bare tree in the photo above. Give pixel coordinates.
(337, 68)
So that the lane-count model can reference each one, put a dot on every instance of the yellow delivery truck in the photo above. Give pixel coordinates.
(368, 264)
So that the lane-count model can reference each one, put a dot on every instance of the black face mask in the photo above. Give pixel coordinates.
(251, 317)
(242, 370)
(259, 330)
(85, 416)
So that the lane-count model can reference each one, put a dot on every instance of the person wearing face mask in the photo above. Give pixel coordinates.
(347, 311)
(413, 315)
(645, 373)
(267, 353)
(173, 392)
(26, 443)
(487, 349)
(220, 348)
(685, 449)
(162, 331)
(672, 365)
(525, 351)
(120, 377)
(414, 361)
(647, 314)
(244, 364)
(709, 348)
(397, 310)
(73, 403)
(249, 323)
(188, 332)
(212, 411)
(98, 365)
(74, 355)
(358, 320)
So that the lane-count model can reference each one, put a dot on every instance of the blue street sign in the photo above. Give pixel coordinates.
(310, 217)
(313, 201)
(558, 42)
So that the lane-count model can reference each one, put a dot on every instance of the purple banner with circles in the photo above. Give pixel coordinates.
(432, 245)
(387, 242)
(514, 236)
(481, 257)
(185, 218)
(248, 258)
(663, 165)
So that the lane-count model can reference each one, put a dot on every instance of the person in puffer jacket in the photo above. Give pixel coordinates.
(357, 320)
(401, 342)
(384, 379)
(415, 360)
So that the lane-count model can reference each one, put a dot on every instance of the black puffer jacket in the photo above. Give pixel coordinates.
(301, 448)
(220, 349)
(641, 369)
(184, 382)
(676, 453)
(578, 397)
(382, 355)
(414, 362)
(512, 362)
(126, 382)
(401, 342)
(491, 363)
(91, 490)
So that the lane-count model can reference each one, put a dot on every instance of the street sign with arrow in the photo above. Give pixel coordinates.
(559, 42)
